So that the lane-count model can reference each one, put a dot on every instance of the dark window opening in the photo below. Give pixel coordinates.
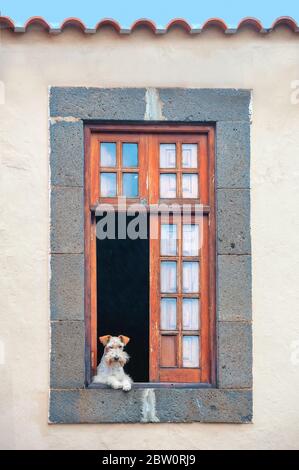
(123, 297)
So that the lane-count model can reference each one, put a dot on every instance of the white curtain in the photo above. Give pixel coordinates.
(189, 152)
(190, 185)
(190, 240)
(168, 186)
(190, 351)
(168, 240)
(190, 276)
(190, 314)
(168, 314)
(168, 276)
(167, 156)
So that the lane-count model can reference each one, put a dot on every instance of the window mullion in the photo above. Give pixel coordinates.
(179, 169)
(179, 299)
(118, 169)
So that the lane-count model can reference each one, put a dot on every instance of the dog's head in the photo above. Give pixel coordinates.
(114, 349)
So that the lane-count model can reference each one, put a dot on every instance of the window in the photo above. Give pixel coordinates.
(74, 270)
(166, 171)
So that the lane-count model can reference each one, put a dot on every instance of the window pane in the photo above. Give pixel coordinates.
(190, 351)
(130, 155)
(167, 155)
(108, 154)
(168, 352)
(190, 276)
(168, 276)
(189, 154)
(168, 240)
(168, 314)
(168, 185)
(108, 184)
(190, 240)
(130, 184)
(190, 314)
(190, 185)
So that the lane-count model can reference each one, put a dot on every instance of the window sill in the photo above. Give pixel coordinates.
(156, 385)
(100, 404)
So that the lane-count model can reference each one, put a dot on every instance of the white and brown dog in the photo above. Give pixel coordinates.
(110, 370)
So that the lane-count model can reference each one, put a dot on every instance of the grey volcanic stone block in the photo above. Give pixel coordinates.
(98, 103)
(67, 287)
(234, 355)
(67, 354)
(204, 105)
(67, 220)
(172, 405)
(95, 406)
(233, 154)
(204, 405)
(67, 153)
(234, 287)
(233, 221)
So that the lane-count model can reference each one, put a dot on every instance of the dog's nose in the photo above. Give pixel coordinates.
(116, 358)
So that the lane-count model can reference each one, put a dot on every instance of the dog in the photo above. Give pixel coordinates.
(110, 370)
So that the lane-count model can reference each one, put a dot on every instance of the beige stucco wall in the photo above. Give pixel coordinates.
(29, 64)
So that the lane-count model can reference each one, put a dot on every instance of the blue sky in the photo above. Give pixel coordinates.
(161, 11)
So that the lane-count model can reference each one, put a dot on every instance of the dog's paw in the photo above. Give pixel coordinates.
(127, 387)
(116, 385)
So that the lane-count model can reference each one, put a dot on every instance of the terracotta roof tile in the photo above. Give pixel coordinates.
(6, 22)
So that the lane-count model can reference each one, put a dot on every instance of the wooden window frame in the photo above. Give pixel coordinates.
(91, 198)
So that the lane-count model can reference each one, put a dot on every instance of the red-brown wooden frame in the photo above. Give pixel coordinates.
(204, 134)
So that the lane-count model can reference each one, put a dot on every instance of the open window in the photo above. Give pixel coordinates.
(157, 288)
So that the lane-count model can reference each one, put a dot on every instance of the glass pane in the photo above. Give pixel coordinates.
(190, 314)
(190, 240)
(190, 351)
(108, 184)
(190, 185)
(108, 154)
(130, 155)
(190, 276)
(167, 155)
(168, 351)
(168, 276)
(130, 184)
(168, 314)
(168, 240)
(189, 153)
(168, 185)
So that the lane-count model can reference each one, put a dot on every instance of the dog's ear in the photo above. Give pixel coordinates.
(124, 339)
(105, 339)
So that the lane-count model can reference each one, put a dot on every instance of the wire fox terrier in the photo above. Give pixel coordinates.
(110, 370)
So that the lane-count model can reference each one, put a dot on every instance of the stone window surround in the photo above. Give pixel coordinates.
(229, 110)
